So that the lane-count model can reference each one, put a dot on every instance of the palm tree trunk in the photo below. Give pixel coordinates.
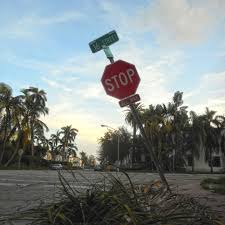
(54, 156)
(15, 152)
(193, 162)
(173, 136)
(134, 138)
(174, 161)
(134, 132)
(4, 143)
(63, 152)
(32, 139)
(11, 133)
(211, 162)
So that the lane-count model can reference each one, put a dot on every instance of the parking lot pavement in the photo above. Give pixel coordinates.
(24, 189)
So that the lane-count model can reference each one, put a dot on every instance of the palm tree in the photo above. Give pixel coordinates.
(68, 136)
(39, 130)
(84, 158)
(54, 142)
(222, 142)
(56, 138)
(196, 136)
(158, 129)
(179, 118)
(166, 127)
(211, 142)
(220, 125)
(17, 131)
(35, 103)
(129, 118)
(6, 105)
(71, 150)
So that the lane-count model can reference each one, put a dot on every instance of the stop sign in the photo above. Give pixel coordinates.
(120, 79)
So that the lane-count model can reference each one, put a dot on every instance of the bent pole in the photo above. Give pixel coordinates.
(109, 55)
(149, 147)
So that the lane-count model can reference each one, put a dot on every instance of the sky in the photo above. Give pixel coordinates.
(176, 45)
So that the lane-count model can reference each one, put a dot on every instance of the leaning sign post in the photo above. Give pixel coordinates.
(120, 80)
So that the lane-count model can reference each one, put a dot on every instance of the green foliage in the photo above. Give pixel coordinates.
(116, 200)
(9, 149)
(20, 122)
(91, 161)
(67, 146)
(34, 161)
(173, 134)
(84, 158)
(215, 185)
(21, 127)
(109, 145)
(220, 180)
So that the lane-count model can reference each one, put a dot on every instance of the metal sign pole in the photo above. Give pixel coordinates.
(103, 43)
(109, 55)
(148, 146)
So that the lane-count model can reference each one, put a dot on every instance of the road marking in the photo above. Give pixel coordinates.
(13, 184)
(45, 185)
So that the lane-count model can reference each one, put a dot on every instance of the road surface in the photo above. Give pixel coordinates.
(21, 189)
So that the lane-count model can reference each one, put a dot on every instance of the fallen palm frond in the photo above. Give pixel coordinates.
(116, 200)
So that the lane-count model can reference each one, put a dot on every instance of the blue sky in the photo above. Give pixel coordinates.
(175, 45)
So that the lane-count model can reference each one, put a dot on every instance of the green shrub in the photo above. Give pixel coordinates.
(34, 161)
(9, 149)
(215, 185)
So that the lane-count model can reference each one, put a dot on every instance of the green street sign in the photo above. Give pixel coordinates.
(104, 40)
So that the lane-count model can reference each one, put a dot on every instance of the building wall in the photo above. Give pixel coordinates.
(202, 166)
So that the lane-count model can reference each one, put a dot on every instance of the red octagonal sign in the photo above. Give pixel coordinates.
(120, 79)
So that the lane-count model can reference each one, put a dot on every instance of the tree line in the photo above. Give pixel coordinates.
(173, 132)
(21, 127)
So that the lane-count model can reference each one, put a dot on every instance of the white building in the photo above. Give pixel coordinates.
(201, 165)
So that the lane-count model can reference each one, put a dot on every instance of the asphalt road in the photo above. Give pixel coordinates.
(25, 188)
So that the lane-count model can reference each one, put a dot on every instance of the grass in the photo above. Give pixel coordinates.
(117, 201)
(215, 185)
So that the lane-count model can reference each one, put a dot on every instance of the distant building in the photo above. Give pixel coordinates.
(48, 156)
(201, 165)
(76, 161)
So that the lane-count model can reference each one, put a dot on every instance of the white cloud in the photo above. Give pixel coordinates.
(90, 91)
(55, 84)
(83, 103)
(157, 71)
(71, 69)
(45, 21)
(214, 80)
(176, 21)
(68, 111)
(29, 63)
(181, 20)
(85, 123)
(28, 26)
(210, 93)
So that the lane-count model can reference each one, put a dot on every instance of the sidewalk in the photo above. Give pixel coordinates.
(208, 198)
